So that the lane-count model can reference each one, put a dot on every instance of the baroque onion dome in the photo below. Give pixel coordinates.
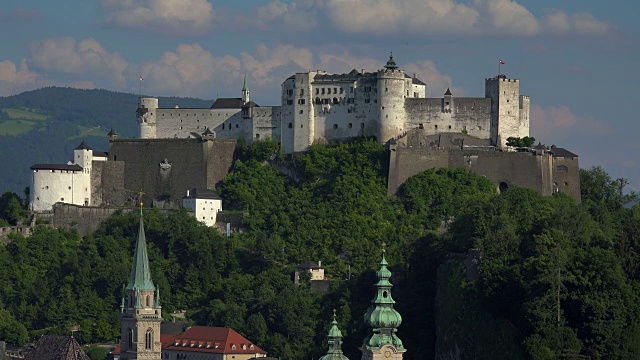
(334, 339)
(382, 317)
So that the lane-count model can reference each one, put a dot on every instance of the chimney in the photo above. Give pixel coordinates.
(319, 263)
(187, 193)
(363, 71)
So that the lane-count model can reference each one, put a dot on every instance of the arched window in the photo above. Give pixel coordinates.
(130, 338)
(148, 340)
(148, 301)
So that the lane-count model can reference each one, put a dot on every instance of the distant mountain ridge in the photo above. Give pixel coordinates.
(45, 125)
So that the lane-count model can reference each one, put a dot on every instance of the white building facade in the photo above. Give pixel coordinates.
(205, 205)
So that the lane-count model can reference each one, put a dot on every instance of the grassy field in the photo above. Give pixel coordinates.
(21, 120)
(25, 114)
(15, 127)
(89, 131)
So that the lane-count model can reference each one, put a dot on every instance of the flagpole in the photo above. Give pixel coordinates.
(499, 63)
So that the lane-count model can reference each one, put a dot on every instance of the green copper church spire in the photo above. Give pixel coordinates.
(244, 85)
(382, 317)
(140, 273)
(335, 342)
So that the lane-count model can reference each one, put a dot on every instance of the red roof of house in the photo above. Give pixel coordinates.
(116, 351)
(213, 340)
(167, 339)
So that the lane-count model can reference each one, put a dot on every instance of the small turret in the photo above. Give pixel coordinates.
(391, 64)
(112, 135)
(245, 91)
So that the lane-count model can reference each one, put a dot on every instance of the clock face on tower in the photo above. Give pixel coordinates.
(387, 354)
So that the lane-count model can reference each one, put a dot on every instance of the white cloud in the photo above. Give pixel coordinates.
(558, 123)
(15, 78)
(86, 59)
(171, 17)
(418, 17)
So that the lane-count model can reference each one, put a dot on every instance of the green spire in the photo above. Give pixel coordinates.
(382, 317)
(335, 342)
(140, 272)
(244, 85)
(391, 64)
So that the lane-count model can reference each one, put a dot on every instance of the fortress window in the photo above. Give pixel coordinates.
(301, 92)
(341, 90)
(367, 101)
(566, 183)
(301, 111)
(322, 91)
(386, 89)
(237, 126)
(350, 125)
(257, 136)
(351, 90)
(420, 126)
(222, 126)
(415, 94)
(61, 199)
(407, 93)
(335, 90)
(361, 125)
(290, 125)
(289, 102)
(335, 126)
(507, 100)
(317, 91)
(335, 101)
(301, 102)
(449, 126)
(69, 187)
(436, 127)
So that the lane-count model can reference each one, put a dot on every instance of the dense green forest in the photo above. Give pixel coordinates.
(45, 125)
(557, 280)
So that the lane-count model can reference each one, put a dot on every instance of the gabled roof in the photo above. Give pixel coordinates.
(561, 152)
(230, 103)
(83, 146)
(203, 194)
(414, 80)
(309, 265)
(207, 131)
(52, 347)
(205, 339)
(100, 154)
(73, 167)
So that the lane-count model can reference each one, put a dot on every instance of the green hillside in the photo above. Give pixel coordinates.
(45, 125)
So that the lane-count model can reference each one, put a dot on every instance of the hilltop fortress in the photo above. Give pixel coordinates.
(185, 148)
(317, 107)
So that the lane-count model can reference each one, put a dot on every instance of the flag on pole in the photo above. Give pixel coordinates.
(501, 63)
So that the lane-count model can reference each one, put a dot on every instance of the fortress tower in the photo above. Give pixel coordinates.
(509, 110)
(147, 117)
(391, 94)
(140, 310)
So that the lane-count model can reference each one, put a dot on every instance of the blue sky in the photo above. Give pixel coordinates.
(577, 59)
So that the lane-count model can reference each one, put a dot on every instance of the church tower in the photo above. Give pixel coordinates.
(335, 342)
(384, 320)
(140, 310)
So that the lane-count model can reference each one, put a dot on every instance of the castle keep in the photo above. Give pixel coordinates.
(317, 107)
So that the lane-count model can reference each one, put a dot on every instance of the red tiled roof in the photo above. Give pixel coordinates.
(167, 339)
(213, 340)
(116, 351)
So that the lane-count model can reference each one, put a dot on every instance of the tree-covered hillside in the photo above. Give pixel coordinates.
(557, 280)
(45, 125)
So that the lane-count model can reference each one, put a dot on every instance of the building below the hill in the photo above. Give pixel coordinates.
(53, 347)
(207, 200)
